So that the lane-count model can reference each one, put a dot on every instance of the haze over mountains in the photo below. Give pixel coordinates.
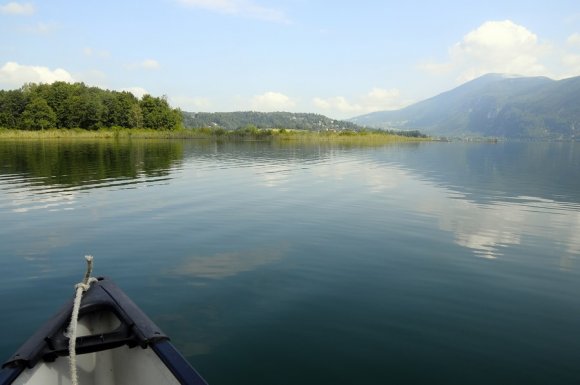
(493, 105)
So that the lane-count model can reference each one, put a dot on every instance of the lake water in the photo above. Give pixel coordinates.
(430, 263)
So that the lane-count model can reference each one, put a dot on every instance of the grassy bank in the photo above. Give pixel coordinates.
(92, 134)
(351, 137)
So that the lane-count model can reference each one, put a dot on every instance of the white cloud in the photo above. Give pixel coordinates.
(137, 91)
(90, 52)
(378, 99)
(572, 60)
(40, 28)
(13, 74)
(191, 104)
(147, 64)
(382, 99)
(272, 101)
(245, 8)
(337, 103)
(93, 77)
(574, 39)
(572, 65)
(224, 6)
(495, 46)
(570, 57)
(150, 64)
(572, 18)
(436, 68)
(15, 8)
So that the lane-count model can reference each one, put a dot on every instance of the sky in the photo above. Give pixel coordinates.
(337, 58)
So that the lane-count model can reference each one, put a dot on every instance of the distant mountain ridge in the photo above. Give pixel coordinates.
(288, 120)
(494, 105)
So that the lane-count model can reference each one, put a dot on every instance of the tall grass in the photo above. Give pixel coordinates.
(345, 137)
(104, 133)
(253, 134)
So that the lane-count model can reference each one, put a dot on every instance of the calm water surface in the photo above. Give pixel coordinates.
(439, 263)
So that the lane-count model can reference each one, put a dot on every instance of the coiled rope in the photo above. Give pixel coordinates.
(72, 328)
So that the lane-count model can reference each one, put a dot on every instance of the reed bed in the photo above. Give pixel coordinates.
(341, 137)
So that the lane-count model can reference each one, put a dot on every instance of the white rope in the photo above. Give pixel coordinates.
(72, 328)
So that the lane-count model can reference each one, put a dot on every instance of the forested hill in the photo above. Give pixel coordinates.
(493, 105)
(287, 120)
(75, 105)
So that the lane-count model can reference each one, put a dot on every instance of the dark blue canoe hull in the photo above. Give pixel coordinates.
(118, 335)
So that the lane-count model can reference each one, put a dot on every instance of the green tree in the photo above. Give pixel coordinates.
(57, 97)
(123, 110)
(158, 115)
(76, 105)
(84, 108)
(12, 104)
(38, 115)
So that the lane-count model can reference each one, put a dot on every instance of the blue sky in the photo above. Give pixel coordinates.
(337, 58)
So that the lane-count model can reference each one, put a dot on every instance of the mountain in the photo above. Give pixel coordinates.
(493, 105)
(288, 120)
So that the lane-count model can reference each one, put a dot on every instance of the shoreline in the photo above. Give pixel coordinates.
(212, 134)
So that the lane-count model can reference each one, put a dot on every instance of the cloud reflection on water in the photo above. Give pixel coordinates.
(227, 264)
(486, 227)
(23, 201)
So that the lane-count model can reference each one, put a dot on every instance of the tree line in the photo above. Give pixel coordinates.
(251, 122)
(265, 120)
(75, 105)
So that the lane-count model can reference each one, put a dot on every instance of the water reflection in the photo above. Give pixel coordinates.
(494, 196)
(482, 222)
(430, 256)
(228, 264)
(22, 202)
(485, 214)
(488, 172)
(489, 228)
(489, 197)
(48, 175)
(77, 163)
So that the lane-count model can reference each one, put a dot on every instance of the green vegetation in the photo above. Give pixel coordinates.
(101, 133)
(248, 133)
(253, 133)
(63, 105)
(234, 124)
(65, 110)
(359, 138)
(265, 120)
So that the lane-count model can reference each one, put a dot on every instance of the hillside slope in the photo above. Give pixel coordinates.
(493, 105)
(288, 120)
